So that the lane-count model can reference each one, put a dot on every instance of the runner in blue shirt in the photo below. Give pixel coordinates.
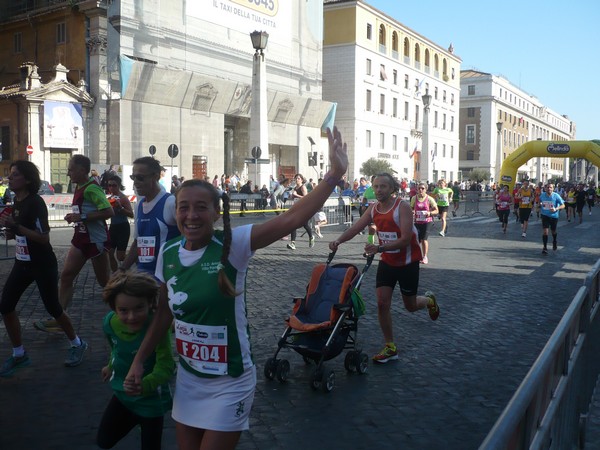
(551, 204)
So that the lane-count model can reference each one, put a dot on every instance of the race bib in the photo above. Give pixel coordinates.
(81, 228)
(21, 249)
(146, 247)
(421, 216)
(203, 347)
(503, 205)
(548, 205)
(525, 200)
(385, 237)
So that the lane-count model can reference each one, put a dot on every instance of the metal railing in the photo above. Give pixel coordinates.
(549, 409)
(337, 209)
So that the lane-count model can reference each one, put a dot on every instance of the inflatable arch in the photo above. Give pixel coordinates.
(589, 150)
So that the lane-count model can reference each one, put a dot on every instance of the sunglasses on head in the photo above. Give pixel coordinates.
(138, 177)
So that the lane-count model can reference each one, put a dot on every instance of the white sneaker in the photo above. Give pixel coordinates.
(524, 235)
(442, 233)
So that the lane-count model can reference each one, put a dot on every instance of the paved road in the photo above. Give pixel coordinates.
(500, 300)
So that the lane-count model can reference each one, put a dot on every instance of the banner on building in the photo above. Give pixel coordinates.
(63, 125)
(272, 16)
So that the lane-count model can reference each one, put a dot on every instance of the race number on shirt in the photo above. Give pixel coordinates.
(21, 249)
(146, 246)
(203, 347)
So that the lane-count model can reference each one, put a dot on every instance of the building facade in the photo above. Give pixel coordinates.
(497, 117)
(378, 71)
(177, 72)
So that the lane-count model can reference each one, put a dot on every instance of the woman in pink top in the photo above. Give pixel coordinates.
(424, 209)
(503, 202)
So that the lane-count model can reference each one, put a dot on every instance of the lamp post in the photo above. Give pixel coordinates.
(258, 117)
(312, 155)
(498, 152)
(425, 172)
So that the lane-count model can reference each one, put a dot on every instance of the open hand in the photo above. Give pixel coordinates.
(338, 152)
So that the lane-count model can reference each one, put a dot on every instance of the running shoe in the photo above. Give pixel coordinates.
(555, 246)
(544, 251)
(13, 363)
(425, 260)
(318, 233)
(311, 242)
(453, 213)
(388, 353)
(524, 235)
(432, 306)
(75, 354)
(442, 234)
(48, 325)
(292, 245)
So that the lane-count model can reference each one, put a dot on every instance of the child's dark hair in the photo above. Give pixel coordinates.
(224, 283)
(130, 282)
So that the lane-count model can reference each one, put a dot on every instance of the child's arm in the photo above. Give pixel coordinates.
(163, 367)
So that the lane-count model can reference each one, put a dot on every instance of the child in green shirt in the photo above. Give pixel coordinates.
(132, 297)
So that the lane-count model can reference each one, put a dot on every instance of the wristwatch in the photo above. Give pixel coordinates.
(83, 217)
(380, 249)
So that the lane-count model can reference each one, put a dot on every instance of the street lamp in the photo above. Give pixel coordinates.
(259, 41)
(312, 155)
(425, 163)
(258, 134)
(498, 152)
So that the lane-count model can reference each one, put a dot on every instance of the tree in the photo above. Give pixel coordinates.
(478, 175)
(374, 166)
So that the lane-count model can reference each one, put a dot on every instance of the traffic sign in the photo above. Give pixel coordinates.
(256, 152)
(254, 161)
(30, 149)
(173, 151)
(152, 150)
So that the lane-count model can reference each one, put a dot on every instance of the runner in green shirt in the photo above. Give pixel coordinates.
(442, 195)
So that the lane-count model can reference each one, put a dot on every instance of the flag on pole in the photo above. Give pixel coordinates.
(410, 155)
(432, 155)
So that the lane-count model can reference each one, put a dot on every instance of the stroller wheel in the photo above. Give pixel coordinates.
(283, 370)
(316, 379)
(328, 381)
(361, 362)
(270, 368)
(350, 361)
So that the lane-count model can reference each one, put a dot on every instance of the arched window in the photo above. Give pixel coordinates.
(445, 69)
(436, 65)
(395, 45)
(427, 60)
(381, 36)
(417, 56)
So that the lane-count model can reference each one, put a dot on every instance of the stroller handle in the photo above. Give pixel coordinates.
(331, 256)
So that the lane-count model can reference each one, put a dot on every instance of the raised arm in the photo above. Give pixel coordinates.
(268, 232)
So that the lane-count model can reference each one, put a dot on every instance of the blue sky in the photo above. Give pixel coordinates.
(550, 49)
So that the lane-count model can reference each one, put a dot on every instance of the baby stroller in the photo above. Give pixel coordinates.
(324, 323)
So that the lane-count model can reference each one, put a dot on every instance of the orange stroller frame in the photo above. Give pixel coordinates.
(323, 324)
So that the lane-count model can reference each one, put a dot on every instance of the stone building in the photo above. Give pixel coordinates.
(176, 72)
(496, 117)
(379, 71)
